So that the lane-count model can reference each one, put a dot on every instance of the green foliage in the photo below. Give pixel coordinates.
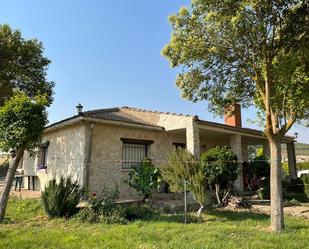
(138, 212)
(102, 207)
(145, 178)
(4, 166)
(260, 152)
(22, 122)
(292, 202)
(105, 204)
(220, 166)
(229, 50)
(264, 192)
(303, 165)
(259, 167)
(23, 66)
(305, 180)
(285, 167)
(182, 166)
(90, 216)
(61, 198)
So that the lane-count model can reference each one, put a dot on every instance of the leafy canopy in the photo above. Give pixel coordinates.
(22, 122)
(244, 51)
(23, 66)
(220, 166)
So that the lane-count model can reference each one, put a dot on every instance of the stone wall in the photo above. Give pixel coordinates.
(106, 154)
(66, 152)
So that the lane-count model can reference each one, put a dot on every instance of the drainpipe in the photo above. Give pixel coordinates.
(88, 154)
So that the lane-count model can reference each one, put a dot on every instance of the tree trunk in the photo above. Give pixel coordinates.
(276, 200)
(217, 186)
(199, 212)
(5, 193)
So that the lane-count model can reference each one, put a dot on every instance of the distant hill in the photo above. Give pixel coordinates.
(301, 149)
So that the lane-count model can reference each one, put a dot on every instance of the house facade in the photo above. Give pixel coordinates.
(99, 147)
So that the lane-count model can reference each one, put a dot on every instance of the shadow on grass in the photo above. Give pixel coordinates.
(238, 215)
(209, 216)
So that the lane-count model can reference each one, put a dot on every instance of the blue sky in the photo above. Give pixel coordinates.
(107, 53)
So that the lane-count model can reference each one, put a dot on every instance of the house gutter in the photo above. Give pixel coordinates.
(88, 152)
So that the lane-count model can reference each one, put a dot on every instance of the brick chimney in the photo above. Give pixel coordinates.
(232, 115)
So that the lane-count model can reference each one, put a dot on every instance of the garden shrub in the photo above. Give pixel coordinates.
(145, 178)
(221, 169)
(105, 204)
(138, 212)
(61, 198)
(181, 167)
(103, 208)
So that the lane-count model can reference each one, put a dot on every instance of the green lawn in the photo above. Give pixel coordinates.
(28, 227)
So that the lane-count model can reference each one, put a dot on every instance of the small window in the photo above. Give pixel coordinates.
(134, 151)
(179, 145)
(42, 156)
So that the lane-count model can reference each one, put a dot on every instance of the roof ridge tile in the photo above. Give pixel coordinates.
(159, 112)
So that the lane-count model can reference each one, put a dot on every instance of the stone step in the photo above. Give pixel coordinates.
(167, 196)
(258, 202)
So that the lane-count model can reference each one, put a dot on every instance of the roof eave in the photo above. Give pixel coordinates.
(78, 119)
(241, 130)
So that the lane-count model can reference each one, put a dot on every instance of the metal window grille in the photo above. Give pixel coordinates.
(133, 154)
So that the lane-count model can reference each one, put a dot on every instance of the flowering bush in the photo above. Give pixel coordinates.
(102, 208)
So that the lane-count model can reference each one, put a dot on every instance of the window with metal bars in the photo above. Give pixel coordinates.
(134, 152)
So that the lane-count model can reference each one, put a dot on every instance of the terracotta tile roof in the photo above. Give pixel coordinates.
(158, 112)
(116, 114)
(119, 114)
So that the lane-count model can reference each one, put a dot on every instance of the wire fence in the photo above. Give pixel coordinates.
(162, 161)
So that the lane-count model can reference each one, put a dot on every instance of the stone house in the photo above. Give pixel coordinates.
(98, 147)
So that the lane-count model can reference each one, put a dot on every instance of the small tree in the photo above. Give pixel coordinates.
(182, 166)
(22, 122)
(145, 178)
(221, 169)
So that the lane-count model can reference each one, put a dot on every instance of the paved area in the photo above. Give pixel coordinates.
(24, 193)
(299, 211)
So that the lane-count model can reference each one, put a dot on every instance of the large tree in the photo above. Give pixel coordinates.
(247, 51)
(23, 66)
(23, 77)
